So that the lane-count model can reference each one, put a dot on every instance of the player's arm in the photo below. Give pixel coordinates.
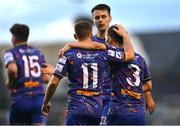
(147, 86)
(45, 78)
(128, 48)
(50, 90)
(59, 72)
(47, 69)
(82, 45)
(12, 71)
(149, 102)
(11, 66)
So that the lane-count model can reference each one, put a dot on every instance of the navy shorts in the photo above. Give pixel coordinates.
(138, 119)
(75, 119)
(27, 110)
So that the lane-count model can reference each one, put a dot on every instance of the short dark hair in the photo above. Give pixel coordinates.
(20, 31)
(101, 7)
(113, 35)
(83, 29)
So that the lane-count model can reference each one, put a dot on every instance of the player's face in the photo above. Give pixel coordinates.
(101, 19)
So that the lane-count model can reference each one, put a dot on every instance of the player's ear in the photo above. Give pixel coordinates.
(109, 40)
(75, 36)
(13, 39)
(110, 18)
(91, 35)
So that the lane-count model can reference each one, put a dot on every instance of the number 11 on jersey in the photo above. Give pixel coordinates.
(86, 74)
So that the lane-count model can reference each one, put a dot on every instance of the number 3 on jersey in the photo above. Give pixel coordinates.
(135, 74)
(31, 66)
(86, 74)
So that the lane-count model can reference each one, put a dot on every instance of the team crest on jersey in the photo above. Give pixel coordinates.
(79, 55)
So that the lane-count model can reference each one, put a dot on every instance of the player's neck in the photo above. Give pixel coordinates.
(101, 34)
(85, 40)
(117, 45)
(20, 43)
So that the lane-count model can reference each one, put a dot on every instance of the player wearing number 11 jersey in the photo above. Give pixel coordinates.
(23, 64)
(87, 71)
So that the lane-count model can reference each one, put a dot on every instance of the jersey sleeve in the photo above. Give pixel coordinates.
(8, 58)
(61, 67)
(147, 75)
(115, 54)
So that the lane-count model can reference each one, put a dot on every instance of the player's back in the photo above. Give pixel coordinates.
(29, 61)
(128, 78)
(87, 71)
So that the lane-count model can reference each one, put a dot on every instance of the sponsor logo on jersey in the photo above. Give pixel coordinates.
(111, 53)
(59, 67)
(119, 55)
(79, 55)
(62, 60)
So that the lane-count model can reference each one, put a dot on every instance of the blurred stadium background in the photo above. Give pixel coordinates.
(154, 28)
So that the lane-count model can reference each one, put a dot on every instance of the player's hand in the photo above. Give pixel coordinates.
(47, 69)
(120, 30)
(45, 109)
(64, 49)
(150, 105)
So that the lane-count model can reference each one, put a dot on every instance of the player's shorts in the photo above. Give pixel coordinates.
(138, 119)
(27, 110)
(75, 119)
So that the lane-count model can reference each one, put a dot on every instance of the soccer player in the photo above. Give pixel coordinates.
(87, 71)
(23, 64)
(101, 15)
(129, 81)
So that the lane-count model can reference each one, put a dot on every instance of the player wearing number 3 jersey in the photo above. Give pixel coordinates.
(87, 71)
(129, 81)
(25, 80)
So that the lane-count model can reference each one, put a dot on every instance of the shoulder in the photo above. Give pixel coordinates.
(9, 52)
(139, 57)
(74, 51)
(8, 57)
(35, 50)
(141, 61)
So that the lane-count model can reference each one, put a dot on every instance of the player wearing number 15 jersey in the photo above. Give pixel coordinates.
(23, 64)
(87, 71)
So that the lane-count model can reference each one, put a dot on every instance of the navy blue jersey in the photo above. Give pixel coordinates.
(98, 39)
(29, 61)
(128, 79)
(87, 71)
